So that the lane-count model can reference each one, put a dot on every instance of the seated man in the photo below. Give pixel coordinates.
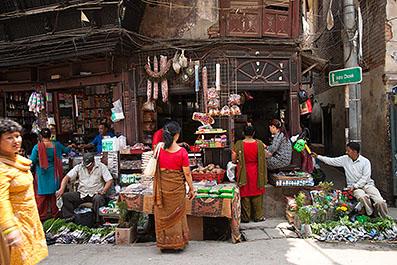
(358, 178)
(94, 182)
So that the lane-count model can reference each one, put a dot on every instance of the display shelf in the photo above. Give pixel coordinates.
(215, 132)
(222, 147)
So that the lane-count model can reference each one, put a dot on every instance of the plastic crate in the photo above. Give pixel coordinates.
(208, 176)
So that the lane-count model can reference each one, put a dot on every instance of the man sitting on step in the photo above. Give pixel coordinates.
(358, 177)
(94, 182)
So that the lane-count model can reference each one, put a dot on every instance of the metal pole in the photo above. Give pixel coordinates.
(350, 57)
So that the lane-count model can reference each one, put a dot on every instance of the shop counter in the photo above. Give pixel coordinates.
(199, 207)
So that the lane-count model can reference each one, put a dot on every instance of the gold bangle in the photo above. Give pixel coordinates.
(8, 231)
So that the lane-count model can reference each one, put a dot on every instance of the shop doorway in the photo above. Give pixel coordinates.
(180, 108)
(259, 108)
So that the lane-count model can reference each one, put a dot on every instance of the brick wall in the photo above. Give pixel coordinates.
(374, 45)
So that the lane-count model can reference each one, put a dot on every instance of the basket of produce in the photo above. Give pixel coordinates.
(210, 172)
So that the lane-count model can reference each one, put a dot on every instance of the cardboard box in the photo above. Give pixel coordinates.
(125, 236)
(196, 228)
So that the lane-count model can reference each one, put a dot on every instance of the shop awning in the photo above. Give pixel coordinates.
(311, 62)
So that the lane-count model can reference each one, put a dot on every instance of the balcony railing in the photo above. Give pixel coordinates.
(259, 18)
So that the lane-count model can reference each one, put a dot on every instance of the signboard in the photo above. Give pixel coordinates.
(345, 76)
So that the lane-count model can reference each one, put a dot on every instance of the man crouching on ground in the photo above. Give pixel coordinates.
(94, 182)
(358, 178)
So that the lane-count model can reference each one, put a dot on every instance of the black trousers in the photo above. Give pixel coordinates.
(71, 200)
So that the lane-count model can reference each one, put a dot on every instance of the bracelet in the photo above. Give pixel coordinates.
(8, 231)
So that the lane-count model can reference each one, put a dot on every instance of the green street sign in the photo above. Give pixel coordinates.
(345, 76)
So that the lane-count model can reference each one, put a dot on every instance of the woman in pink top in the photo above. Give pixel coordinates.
(172, 232)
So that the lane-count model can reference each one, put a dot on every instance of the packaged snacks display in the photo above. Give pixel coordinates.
(235, 110)
(225, 111)
(234, 99)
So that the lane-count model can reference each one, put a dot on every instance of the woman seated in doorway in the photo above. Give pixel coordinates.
(249, 154)
(278, 154)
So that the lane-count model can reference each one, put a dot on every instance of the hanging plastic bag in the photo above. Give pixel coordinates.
(317, 113)
(117, 111)
(231, 171)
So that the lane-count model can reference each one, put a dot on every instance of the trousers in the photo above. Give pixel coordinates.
(368, 193)
(252, 208)
(45, 201)
(71, 200)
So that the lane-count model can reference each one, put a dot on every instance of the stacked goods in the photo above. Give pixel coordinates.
(113, 163)
(127, 179)
(216, 142)
(130, 164)
(210, 131)
(218, 191)
(145, 158)
(282, 179)
(210, 172)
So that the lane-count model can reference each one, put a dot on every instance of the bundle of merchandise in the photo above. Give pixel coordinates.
(292, 179)
(209, 172)
(130, 164)
(36, 103)
(127, 179)
(217, 191)
(113, 164)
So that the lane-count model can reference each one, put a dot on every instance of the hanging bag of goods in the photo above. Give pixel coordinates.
(164, 82)
(205, 87)
(149, 83)
(36, 103)
(155, 83)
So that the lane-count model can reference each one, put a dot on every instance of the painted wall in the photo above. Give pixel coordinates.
(186, 19)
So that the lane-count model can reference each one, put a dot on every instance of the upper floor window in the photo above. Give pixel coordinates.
(259, 18)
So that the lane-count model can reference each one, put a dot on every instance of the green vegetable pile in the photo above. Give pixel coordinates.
(64, 232)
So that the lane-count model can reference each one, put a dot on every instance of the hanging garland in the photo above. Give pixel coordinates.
(159, 76)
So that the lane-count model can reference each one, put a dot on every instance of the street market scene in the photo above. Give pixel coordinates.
(197, 131)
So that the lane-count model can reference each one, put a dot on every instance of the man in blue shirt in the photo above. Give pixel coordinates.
(103, 130)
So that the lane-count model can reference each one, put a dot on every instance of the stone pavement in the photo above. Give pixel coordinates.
(281, 251)
(269, 229)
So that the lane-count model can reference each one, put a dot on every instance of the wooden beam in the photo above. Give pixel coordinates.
(308, 69)
(69, 83)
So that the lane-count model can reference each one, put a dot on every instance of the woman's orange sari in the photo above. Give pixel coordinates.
(172, 230)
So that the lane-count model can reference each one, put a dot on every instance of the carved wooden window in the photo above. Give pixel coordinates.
(259, 18)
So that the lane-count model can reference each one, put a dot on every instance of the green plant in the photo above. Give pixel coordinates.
(326, 186)
(305, 215)
(300, 200)
(127, 218)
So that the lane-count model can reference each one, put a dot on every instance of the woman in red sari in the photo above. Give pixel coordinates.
(172, 232)
(251, 175)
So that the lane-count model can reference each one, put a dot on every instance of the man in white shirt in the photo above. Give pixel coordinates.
(358, 178)
(94, 182)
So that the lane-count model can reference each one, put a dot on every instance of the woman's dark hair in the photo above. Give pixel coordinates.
(9, 126)
(354, 146)
(46, 133)
(169, 131)
(249, 130)
(279, 125)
